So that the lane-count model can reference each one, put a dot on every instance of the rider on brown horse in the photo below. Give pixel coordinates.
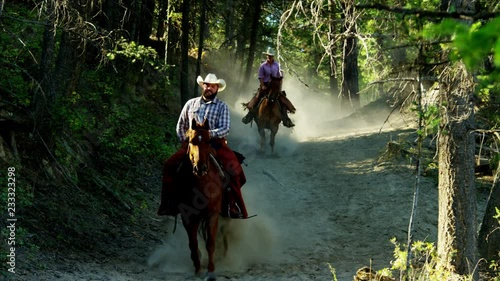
(207, 107)
(268, 69)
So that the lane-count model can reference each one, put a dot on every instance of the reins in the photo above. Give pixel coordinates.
(217, 166)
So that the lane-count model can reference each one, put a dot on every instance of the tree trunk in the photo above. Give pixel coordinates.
(162, 19)
(242, 38)
(164, 26)
(456, 246)
(68, 65)
(44, 98)
(253, 42)
(333, 50)
(350, 86)
(457, 235)
(200, 42)
(185, 96)
(146, 21)
(173, 43)
(230, 30)
(2, 3)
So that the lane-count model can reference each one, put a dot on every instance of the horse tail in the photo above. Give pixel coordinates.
(202, 230)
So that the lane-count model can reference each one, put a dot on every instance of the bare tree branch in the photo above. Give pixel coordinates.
(2, 3)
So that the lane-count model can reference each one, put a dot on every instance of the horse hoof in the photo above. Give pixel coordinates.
(210, 277)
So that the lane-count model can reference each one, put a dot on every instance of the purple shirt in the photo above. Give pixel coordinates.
(266, 71)
(216, 112)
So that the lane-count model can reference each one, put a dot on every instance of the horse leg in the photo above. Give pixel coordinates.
(262, 134)
(224, 233)
(211, 231)
(271, 141)
(192, 231)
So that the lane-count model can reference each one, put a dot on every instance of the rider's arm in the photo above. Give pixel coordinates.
(262, 75)
(223, 123)
(183, 123)
(262, 83)
(276, 69)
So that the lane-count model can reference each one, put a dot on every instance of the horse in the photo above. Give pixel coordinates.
(269, 113)
(200, 199)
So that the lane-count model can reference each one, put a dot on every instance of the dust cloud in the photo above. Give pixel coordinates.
(273, 237)
(249, 242)
(314, 111)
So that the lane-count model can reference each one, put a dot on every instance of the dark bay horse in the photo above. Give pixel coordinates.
(201, 195)
(269, 113)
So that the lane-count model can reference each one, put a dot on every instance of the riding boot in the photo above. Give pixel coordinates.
(284, 116)
(249, 117)
(235, 211)
(233, 199)
(251, 106)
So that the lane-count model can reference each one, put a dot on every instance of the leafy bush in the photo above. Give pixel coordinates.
(19, 49)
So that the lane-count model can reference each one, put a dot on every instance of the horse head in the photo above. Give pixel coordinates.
(274, 88)
(199, 149)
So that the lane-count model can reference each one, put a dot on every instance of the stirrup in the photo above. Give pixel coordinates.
(234, 212)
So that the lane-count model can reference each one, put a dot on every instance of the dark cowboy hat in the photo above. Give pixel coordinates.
(269, 52)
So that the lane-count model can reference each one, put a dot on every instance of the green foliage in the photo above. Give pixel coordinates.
(111, 145)
(20, 48)
(423, 265)
(333, 271)
(495, 264)
(476, 45)
(134, 53)
(471, 43)
(430, 120)
(429, 5)
(126, 126)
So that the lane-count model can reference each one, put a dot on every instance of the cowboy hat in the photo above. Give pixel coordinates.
(269, 52)
(212, 79)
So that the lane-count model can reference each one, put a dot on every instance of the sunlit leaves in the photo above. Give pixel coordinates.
(133, 52)
(470, 43)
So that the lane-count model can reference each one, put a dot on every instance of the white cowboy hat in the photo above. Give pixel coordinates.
(269, 52)
(212, 79)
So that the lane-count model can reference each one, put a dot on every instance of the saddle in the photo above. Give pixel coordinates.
(281, 97)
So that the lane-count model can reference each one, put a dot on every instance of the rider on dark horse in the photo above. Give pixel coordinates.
(207, 107)
(267, 70)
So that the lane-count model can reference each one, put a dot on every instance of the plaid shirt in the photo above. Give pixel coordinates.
(216, 112)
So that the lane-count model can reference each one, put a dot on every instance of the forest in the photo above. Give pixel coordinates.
(90, 94)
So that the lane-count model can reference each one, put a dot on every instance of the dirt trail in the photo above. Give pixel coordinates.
(325, 200)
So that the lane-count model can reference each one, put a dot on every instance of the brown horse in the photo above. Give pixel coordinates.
(201, 195)
(269, 113)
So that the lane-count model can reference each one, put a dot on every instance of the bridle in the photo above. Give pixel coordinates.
(201, 136)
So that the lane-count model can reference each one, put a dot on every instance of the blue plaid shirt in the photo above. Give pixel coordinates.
(216, 112)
